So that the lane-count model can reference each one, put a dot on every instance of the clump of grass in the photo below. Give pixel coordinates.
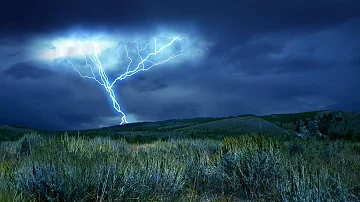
(251, 165)
(28, 142)
(301, 182)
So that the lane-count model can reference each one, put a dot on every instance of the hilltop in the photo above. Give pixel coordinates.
(334, 124)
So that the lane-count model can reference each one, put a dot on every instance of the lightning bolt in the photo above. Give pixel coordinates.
(90, 51)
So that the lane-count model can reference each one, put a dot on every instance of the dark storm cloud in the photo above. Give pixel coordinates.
(78, 117)
(143, 84)
(304, 79)
(255, 59)
(178, 110)
(164, 103)
(355, 61)
(240, 16)
(253, 50)
(355, 58)
(300, 64)
(29, 69)
(14, 54)
(265, 57)
(56, 102)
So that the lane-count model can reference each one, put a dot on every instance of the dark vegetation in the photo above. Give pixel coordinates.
(290, 118)
(153, 162)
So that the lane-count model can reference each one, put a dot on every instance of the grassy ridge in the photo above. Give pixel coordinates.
(290, 118)
(253, 168)
(202, 127)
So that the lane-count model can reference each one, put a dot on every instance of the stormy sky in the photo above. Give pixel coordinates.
(253, 56)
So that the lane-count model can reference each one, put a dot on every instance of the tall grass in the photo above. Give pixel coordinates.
(248, 168)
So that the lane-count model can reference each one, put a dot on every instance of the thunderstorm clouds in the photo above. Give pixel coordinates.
(258, 57)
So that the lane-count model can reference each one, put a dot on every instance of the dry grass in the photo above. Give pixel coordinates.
(234, 169)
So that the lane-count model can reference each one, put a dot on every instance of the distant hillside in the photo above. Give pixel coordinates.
(234, 127)
(275, 125)
(290, 118)
(10, 132)
(332, 123)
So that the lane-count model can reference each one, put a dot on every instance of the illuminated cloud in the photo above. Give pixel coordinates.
(107, 59)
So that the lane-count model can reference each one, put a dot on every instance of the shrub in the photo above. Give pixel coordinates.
(28, 142)
(301, 183)
(296, 148)
(253, 174)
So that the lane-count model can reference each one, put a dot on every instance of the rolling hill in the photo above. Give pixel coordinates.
(275, 125)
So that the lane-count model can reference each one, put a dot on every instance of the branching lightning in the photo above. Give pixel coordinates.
(90, 51)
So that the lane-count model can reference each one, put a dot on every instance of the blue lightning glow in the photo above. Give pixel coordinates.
(90, 50)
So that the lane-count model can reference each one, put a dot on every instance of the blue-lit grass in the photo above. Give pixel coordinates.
(247, 168)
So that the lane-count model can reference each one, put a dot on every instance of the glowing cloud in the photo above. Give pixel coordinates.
(88, 54)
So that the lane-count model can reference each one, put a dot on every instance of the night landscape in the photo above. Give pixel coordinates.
(180, 100)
